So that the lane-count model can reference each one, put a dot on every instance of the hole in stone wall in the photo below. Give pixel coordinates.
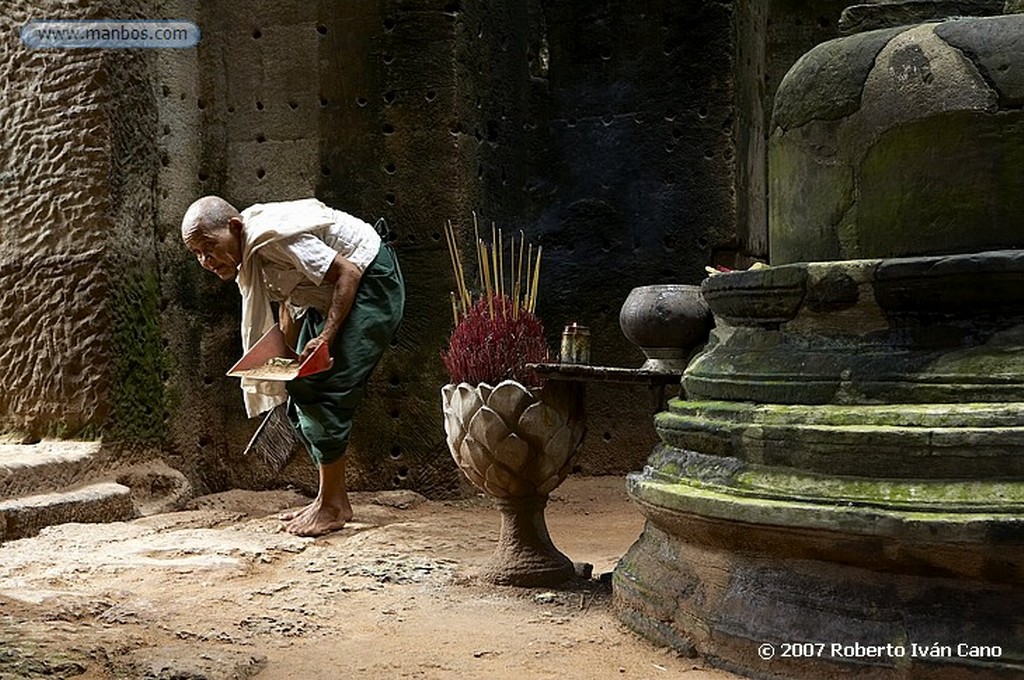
(292, 104)
(669, 148)
(479, 172)
(389, 97)
(165, 160)
(203, 176)
(394, 414)
(677, 133)
(431, 95)
(436, 236)
(670, 115)
(207, 380)
(260, 138)
(702, 242)
(606, 54)
(324, 170)
(182, 96)
(256, 34)
(260, 173)
(389, 168)
(231, 109)
(402, 473)
(453, 8)
(709, 153)
(396, 452)
(394, 381)
(576, 469)
(607, 436)
(259, 106)
(703, 112)
(205, 440)
(201, 104)
(387, 59)
(388, 129)
(361, 101)
(165, 91)
(389, 24)
(323, 101)
(321, 29)
(571, 122)
(167, 129)
(389, 198)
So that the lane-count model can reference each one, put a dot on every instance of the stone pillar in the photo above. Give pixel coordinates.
(77, 282)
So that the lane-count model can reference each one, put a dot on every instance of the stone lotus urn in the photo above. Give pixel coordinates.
(666, 322)
(515, 444)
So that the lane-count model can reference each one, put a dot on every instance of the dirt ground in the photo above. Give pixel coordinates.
(218, 592)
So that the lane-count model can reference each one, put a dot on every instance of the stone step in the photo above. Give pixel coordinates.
(49, 466)
(95, 503)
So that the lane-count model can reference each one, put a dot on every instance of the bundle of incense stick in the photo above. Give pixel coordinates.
(496, 281)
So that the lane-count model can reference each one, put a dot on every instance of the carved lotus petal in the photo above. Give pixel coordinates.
(513, 453)
(466, 401)
(473, 455)
(538, 423)
(510, 399)
(484, 390)
(488, 428)
(498, 482)
(556, 452)
(454, 430)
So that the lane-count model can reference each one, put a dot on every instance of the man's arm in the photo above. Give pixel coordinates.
(345, 276)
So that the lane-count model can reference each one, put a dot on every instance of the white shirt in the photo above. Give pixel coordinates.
(293, 268)
(303, 238)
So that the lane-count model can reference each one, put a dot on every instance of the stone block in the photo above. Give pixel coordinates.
(98, 503)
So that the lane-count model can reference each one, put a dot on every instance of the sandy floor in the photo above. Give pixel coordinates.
(218, 592)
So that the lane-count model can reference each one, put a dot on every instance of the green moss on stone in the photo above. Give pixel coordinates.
(138, 407)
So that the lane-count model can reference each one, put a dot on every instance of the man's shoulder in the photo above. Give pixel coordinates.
(284, 207)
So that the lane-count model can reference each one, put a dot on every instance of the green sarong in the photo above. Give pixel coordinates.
(321, 406)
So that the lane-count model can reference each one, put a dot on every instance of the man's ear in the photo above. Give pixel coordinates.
(235, 225)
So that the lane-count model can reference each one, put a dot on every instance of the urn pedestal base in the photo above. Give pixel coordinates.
(525, 555)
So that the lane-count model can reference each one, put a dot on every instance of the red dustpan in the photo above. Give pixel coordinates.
(272, 359)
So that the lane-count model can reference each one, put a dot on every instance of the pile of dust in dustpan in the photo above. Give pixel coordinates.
(275, 368)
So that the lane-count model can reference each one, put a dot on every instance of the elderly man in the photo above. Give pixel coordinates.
(337, 283)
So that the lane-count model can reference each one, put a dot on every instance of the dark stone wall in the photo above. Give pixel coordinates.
(625, 138)
(605, 132)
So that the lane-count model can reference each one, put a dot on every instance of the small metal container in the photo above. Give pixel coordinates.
(576, 344)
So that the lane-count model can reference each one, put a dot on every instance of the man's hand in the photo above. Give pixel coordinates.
(312, 346)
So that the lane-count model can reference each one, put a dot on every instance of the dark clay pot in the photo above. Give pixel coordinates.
(667, 322)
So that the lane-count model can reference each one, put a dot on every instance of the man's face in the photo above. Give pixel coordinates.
(219, 252)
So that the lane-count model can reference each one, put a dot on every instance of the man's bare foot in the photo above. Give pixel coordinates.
(319, 518)
(289, 515)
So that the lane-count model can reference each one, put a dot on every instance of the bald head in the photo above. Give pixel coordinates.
(206, 216)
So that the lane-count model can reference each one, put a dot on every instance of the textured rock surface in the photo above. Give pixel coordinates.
(915, 153)
(888, 13)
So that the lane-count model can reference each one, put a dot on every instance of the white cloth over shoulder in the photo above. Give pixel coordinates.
(283, 224)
